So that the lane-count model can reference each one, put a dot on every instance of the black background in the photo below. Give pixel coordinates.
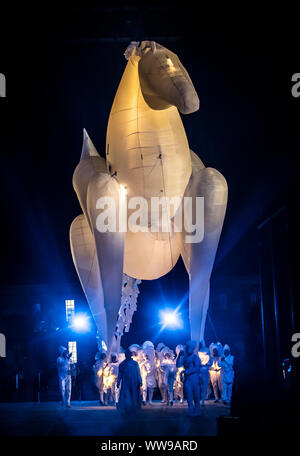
(63, 65)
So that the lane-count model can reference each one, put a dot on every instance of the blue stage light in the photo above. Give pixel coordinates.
(170, 319)
(80, 323)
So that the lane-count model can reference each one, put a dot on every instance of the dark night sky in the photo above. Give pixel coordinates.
(63, 68)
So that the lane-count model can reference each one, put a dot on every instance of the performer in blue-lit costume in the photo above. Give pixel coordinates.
(227, 374)
(64, 363)
(191, 364)
(204, 371)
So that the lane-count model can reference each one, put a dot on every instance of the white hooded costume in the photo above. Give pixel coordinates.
(148, 371)
(167, 374)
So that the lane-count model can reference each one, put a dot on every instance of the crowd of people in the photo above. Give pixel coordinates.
(178, 375)
(128, 379)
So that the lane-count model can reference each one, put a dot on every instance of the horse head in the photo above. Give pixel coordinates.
(163, 79)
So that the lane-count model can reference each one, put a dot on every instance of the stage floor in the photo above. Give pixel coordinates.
(89, 419)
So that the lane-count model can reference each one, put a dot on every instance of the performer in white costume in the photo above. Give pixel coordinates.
(148, 371)
(64, 364)
(134, 348)
(148, 379)
(158, 373)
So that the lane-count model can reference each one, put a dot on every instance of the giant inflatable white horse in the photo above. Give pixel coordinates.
(147, 155)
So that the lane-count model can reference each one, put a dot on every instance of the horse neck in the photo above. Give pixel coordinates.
(129, 95)
(129, 89)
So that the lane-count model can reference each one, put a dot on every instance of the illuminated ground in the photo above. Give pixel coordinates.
(88, 418)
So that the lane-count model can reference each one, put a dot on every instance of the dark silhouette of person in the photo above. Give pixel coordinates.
(130, 381)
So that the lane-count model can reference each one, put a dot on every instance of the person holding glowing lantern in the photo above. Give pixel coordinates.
(216, 351)
(98, 369)
(110, 376)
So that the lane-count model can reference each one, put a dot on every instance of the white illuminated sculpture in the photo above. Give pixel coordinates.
(147, 158)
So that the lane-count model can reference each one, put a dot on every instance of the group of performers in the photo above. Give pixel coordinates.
(131, 377)
(178, 376)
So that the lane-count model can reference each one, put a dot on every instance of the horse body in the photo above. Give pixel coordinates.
(147, 153)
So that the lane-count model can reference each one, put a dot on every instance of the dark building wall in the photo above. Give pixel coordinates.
(33, 320)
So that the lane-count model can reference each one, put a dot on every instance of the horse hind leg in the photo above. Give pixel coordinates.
(109, 249)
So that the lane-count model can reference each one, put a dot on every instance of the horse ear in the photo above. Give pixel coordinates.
(131, 49)
(145, 45)
(153, 46)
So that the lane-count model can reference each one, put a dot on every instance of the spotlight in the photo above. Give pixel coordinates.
(170, 318)
(80, 323)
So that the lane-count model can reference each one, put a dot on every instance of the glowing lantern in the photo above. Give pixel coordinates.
(204, 358)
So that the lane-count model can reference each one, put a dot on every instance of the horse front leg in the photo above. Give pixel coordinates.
(199, 256)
